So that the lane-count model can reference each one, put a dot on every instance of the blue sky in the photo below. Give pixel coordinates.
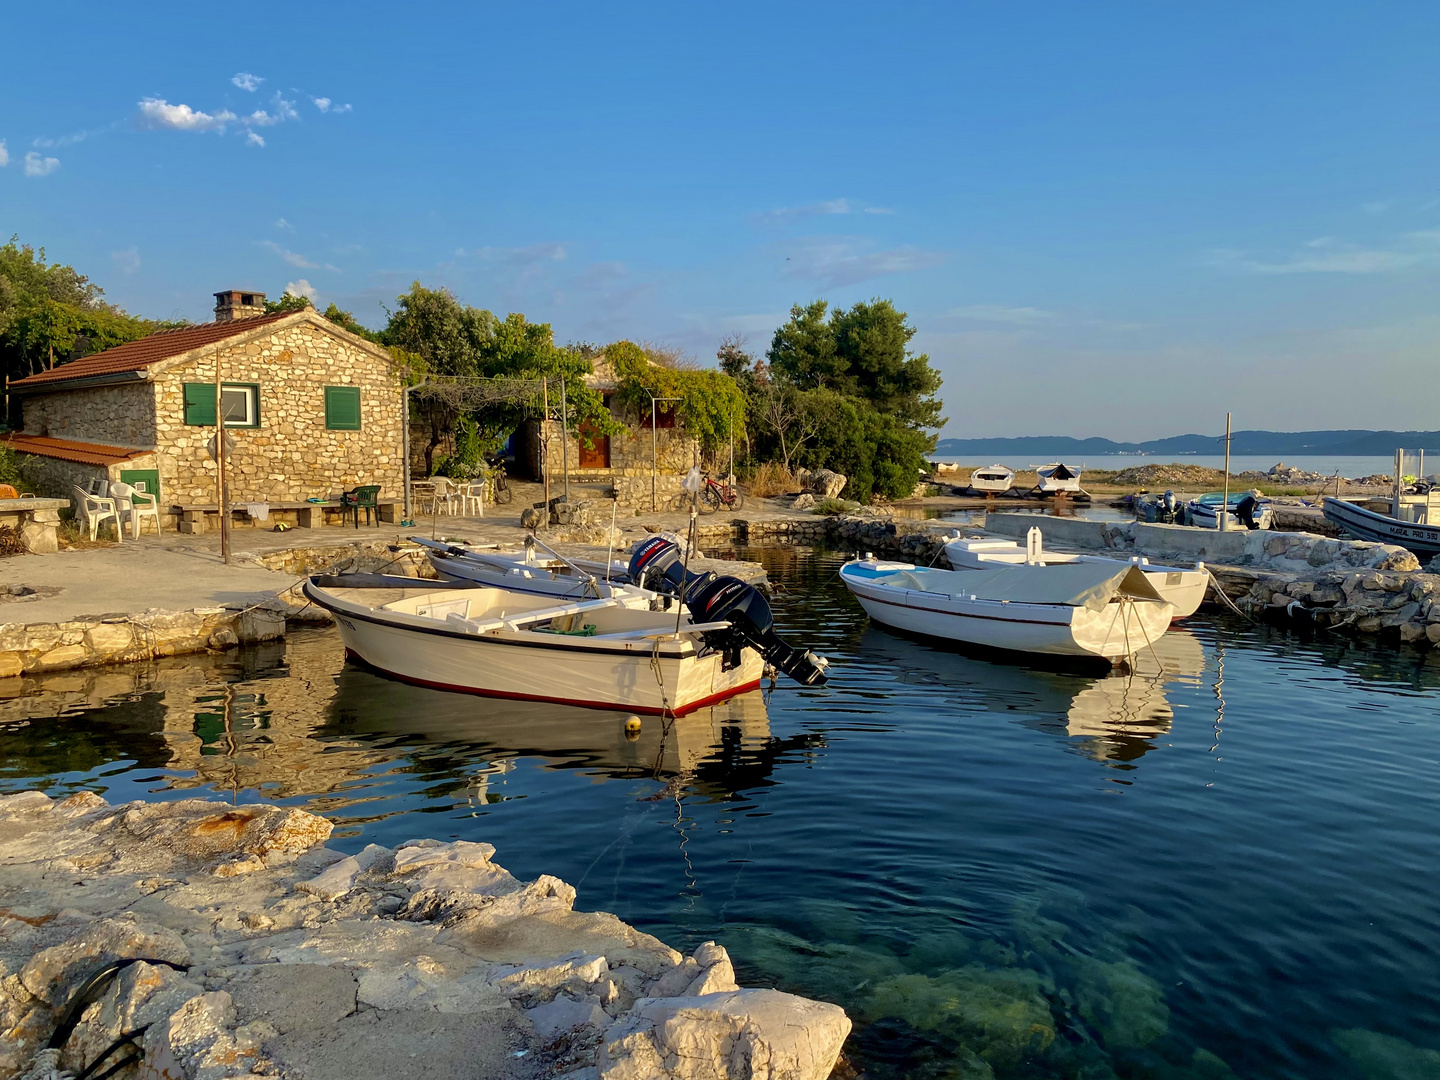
(1116, 220)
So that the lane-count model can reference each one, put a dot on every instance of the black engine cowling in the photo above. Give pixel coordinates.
(656, 564)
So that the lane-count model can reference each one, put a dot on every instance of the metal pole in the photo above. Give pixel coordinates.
(654, 455)
(545, 447)
(219, 469)
(1225, 502)
(565, 438)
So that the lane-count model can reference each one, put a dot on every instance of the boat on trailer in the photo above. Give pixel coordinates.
(1183, 589)
(992, 480)
(1079, 610)
(1057, 478)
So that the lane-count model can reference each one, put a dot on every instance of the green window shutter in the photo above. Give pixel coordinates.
(342, 408)
(200, 404)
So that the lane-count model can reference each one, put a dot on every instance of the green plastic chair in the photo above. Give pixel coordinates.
(365, 498)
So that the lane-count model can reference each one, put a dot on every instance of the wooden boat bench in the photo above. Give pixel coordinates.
(198, 517)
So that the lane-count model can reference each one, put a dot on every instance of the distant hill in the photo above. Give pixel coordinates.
(1280, 443)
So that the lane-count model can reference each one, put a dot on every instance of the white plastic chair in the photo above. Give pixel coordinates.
(93, 511)
(446, 495)
(133, 505)
(471, 496)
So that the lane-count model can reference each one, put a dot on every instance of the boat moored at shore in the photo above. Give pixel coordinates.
(1080, 610)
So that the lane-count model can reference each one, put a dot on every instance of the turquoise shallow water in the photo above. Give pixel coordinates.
(1229, 868)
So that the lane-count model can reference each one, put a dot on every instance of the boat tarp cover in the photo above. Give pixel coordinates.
(1059, 472)
(1087, 585)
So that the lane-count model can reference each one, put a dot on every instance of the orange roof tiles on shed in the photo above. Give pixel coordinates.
(86, 453)
(140, 354)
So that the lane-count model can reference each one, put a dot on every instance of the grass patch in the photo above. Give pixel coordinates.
(770, 478)
(835, 506)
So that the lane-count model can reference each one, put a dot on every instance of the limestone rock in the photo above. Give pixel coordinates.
(826, 484)
(565, 1014)
(50, 973)
(759, 1034)
(339, 878)
(803, 501)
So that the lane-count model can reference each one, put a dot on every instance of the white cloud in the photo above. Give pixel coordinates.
(791, 213)
(4, 155)
(301, 287)
(64, 140)
(522, 257)
(245, 81)
(326, 105)
(996, 313)
(159, 113)
(878, 210)
(1375, 208)
(127, 261)
(281, 223)
(835, 262)
(254, 139)
(1326, 255)
(291, 257)
(35, 165)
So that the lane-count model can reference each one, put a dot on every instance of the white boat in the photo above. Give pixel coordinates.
(1077, 610)
(1182, 589)
(1243, 511)
(992, 479)
(1057, 477)
(542, 571)
(501, 643)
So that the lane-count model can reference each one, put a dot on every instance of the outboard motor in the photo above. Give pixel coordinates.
(656, 564)
(1247, 510)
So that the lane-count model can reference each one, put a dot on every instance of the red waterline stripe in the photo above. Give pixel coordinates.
(609, 705)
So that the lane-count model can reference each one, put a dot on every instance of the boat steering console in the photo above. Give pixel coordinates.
(656, 564)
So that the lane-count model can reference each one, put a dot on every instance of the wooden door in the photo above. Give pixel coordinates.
(595, 455)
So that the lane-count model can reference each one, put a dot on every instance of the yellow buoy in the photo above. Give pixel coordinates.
(632, 727)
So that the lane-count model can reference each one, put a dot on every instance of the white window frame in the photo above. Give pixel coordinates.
(250, 395)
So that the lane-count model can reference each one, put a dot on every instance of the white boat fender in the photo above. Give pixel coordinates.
(1296, 610)
(632, 727)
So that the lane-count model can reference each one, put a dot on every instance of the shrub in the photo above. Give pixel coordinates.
(835, 506)
(770, 478)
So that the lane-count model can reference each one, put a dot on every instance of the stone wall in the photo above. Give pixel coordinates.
(114, 415)
(54, 478)
(291, 456)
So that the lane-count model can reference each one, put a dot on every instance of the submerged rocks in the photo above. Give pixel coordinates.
(259, 951)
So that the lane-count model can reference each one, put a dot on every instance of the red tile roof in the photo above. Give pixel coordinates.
(86, 453)
(138, 355)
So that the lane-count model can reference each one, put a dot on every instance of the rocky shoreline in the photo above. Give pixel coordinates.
(258, 951)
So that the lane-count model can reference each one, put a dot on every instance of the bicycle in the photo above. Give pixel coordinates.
(503, 492)
(714, 495)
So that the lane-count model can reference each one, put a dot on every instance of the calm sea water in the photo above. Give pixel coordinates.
(1347, 466)
(1233, 865)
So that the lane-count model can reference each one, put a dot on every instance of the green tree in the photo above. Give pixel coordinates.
(347, 321)
(288, 302)
(711, 405)
(50, 314)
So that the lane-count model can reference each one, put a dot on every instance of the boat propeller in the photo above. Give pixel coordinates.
(656, 564)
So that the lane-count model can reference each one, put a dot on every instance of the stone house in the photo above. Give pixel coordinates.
(625, 460)
(309, 409)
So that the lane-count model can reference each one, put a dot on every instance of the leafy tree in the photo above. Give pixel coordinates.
(711, 404)
(50, 313)
(347, 321)
(287, 302)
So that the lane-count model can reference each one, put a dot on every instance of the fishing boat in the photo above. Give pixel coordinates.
(1183, 589)
(608, 652)
(1242, 511)
(1079, 610)
(992, 480)
(1058, 477)
(536, 568)
(1418, 531)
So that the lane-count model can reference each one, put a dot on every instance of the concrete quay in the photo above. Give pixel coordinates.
(248, 948)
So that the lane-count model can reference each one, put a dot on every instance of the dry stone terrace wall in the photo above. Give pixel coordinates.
(114, 415)
(268, 954)
(291, 456)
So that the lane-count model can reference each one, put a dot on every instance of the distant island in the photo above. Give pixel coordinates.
(1280, 443)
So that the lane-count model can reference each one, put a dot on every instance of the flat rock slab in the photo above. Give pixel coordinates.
(244, 946)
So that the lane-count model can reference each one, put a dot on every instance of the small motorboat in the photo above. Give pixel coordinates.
(1243, 511)
(1079, 610)
(1183, 589)
(992, 480)
(1420, 534)
(1056, 478)
(607, 652)
(536, 568)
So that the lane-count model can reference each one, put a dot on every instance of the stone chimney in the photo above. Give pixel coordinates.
(233, 305)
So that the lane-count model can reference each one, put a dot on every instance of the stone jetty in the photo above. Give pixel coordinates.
(251, 949)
